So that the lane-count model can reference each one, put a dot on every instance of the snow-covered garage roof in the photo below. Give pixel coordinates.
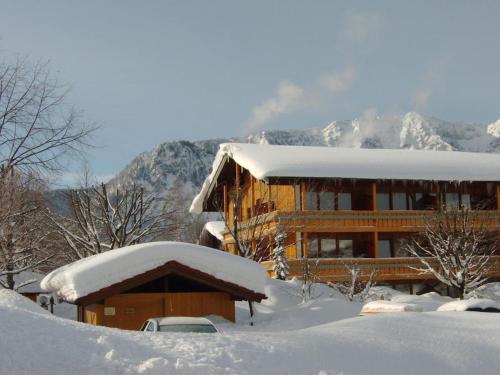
(268, 161)
(93, 274)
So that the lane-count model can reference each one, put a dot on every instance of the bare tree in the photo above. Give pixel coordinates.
(36, 124)
(23, 234)
(356, 288)
(253, 237)
(102, 220)
(455, 248)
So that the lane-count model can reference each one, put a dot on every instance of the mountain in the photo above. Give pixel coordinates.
(188, 163)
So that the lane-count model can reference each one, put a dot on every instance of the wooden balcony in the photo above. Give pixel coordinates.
(363, 221)
(383, 269)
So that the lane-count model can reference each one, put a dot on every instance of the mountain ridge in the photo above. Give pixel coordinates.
(188, 162)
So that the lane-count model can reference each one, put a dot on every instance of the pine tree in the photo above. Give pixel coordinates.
(280, 261)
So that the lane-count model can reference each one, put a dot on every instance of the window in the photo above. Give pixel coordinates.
(313, 248)
(199, 328)
(416, 201)
(328, 247)
(150, 327)
(311, 200)
(466, 201)
(399, 201)
(327, 200)
(452, 201)
(345, 248)
(384, 249)
(383, 201)
(344, 201)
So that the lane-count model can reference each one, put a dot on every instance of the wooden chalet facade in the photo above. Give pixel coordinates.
(360, 215)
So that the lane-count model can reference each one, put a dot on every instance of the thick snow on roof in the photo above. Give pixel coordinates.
(27, 277)
(474, 303)
(216, 229)
(94, 273)
(265, 161)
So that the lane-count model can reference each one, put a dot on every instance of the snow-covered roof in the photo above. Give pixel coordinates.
(89, 275)
(29, 281)
(474, 303)
(268, 161)
(216, 229)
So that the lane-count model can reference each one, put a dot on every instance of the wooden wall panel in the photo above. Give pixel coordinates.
(93, 314)
(199, 304)
(131, 310)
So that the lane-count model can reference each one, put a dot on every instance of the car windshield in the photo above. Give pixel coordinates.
(200, 328)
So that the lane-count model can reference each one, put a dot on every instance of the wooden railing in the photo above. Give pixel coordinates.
(381, 269)
(360, 221)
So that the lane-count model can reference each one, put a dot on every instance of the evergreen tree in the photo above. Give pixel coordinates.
(280, 261)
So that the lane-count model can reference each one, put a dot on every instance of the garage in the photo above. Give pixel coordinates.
(124, 287)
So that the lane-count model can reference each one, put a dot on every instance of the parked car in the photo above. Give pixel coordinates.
(380, 307)
(473, 304)
(179, 324)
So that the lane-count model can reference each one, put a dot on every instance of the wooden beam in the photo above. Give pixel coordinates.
(374, 195)
(498, 197)
(238, 177)
(305, 250)
(252, 196)
(303, 195)
(438, 196)
(226, 208)
(375, 244)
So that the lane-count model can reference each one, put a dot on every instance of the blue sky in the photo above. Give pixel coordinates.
(154, 71)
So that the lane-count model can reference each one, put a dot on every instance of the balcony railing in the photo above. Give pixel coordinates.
(359, 221)
(383, 269)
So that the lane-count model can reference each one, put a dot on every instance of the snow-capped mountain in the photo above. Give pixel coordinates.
(190, 162)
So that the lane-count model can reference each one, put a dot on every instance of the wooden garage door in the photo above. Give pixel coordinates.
(129, 311)
(199, 304)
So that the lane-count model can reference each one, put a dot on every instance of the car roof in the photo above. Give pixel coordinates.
(173, 320)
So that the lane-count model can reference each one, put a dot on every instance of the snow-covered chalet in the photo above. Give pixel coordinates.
(342, 205)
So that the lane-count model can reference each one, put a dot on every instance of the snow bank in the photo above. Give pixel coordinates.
(475, 303)
(428, 301)
(410, 344)
(14, 300)
(376, 307)
(216, 229)
(94, 273)
(490, 290)
(284, 309)
(265, 161)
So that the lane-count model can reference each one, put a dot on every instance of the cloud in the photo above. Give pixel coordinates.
(431, 83)
(360, 27)
(338, 81)
(290, 97)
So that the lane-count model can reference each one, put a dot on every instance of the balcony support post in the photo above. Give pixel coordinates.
(226, 210)
(374, 195)
(498, 197)
(375, 244)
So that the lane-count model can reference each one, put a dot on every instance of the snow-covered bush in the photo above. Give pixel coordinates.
(280, 261)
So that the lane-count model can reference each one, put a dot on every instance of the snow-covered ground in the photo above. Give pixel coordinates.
(289, 337)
